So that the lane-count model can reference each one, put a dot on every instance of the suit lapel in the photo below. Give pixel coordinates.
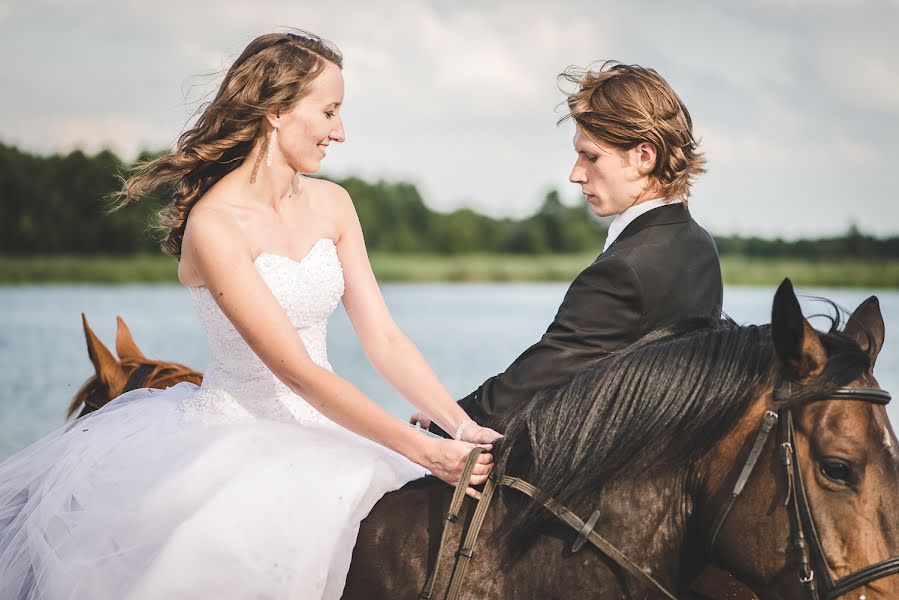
(664, 215)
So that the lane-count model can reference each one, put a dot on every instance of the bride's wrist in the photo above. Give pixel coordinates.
(459, 432)
(452, 422)
(423, 454)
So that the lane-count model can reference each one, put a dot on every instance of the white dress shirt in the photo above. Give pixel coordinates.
(624, 219)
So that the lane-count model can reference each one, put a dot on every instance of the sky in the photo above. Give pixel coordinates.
(796, 102)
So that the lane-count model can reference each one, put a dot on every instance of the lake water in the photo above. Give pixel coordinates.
(468, 332)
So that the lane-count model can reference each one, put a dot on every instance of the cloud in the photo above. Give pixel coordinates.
(462, 98)
(867, 80)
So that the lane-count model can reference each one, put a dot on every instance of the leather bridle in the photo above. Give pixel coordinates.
(810, 560)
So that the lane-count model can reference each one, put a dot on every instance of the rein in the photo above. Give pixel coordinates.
(804, 540)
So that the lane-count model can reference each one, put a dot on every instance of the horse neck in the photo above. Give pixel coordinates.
(650, 520)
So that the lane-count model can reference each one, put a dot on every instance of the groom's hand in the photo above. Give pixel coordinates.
(480, 435)
(420, 419)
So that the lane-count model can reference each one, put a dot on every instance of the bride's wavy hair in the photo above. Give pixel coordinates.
(271, 75)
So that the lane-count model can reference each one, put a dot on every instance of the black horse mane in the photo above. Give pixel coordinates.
(659, 404)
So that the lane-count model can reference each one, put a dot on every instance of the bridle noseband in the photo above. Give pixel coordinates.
(809, 557)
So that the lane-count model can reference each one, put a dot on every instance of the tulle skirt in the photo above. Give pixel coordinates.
(134, 501)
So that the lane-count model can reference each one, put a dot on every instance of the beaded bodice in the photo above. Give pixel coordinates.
(237, 385)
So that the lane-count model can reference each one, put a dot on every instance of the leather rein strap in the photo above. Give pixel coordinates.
(808, 553)
(585, 531)
(452, 518)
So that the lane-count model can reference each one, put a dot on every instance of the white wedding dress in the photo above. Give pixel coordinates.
(234, 489)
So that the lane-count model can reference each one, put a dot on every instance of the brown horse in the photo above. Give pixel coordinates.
(131, 370)
(660, 439)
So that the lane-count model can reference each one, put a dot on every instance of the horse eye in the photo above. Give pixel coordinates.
(837, 470)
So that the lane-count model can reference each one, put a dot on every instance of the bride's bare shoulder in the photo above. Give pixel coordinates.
(323, 190)
(208, 223)
(210, 229)
(329, 198)
(216, 213)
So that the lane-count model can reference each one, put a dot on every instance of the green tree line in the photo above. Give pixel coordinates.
(58, 205)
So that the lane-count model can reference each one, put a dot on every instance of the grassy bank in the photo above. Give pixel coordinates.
(478, 267)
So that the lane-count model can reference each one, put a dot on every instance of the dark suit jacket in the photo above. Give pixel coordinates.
(662, 268)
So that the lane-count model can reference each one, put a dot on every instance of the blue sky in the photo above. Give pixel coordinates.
(796, 102)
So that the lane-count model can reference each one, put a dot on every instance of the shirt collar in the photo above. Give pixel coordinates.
(624, 219)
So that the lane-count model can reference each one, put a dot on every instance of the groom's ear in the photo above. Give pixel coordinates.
(645, 155)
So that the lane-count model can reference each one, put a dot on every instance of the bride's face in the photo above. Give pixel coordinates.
(314, 122)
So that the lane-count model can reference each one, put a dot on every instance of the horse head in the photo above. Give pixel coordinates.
(131, 370)
(819, 515)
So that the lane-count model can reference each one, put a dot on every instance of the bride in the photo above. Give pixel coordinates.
(252, 485)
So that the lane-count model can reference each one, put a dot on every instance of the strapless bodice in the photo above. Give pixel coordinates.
(236, 384)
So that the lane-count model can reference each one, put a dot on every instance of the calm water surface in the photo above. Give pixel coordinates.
(467, 332)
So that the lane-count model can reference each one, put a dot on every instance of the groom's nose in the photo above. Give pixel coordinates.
(578, 174)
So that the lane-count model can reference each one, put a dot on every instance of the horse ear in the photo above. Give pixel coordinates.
(866, 327)
(107, 368)
(796, 342)
(125, 346)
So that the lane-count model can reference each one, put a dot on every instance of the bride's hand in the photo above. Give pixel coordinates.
(446, 460)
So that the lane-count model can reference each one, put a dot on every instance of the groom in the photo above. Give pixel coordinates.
(636, 158)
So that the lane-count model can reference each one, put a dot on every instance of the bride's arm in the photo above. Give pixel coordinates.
(388, 349)
(217, 253)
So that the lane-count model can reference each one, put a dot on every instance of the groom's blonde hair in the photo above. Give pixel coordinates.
(626, 105)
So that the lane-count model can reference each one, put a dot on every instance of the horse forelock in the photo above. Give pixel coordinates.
(652, 408)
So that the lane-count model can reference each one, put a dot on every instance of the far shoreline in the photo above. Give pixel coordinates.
(461, 268)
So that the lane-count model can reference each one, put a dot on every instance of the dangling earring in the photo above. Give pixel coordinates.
(271, 142)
